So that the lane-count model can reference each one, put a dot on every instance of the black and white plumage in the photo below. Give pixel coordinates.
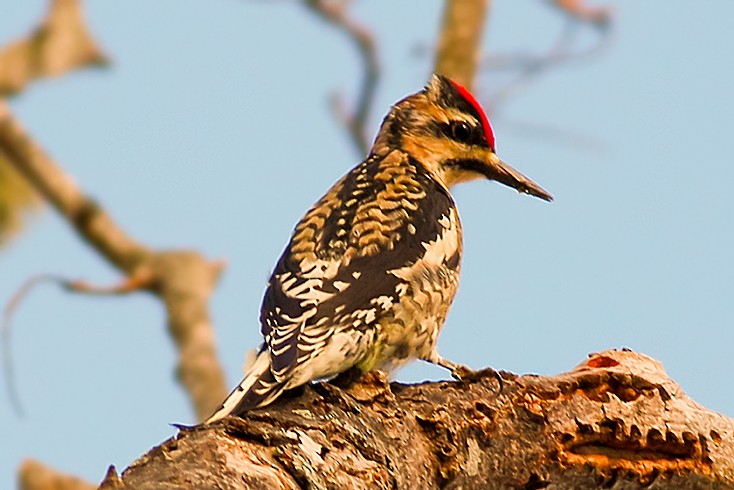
(372, 268)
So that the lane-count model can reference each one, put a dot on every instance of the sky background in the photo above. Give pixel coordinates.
(212, 131)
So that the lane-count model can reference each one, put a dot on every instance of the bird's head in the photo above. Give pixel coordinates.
(445, 129)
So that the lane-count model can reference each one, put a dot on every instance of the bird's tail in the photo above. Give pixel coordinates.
(257, 389)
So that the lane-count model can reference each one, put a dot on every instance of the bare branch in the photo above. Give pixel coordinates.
(561, 52)
(142, 280)
(33, 475)
(139, 281)
(17, 201)
(601, 16)
(89, 220)
(7, 352)
(459, 45)
(532, 67)
(60, 44)
(335, 12)
(183, 280)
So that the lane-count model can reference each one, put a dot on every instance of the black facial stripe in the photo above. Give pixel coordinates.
(445, 130)
(472, 165)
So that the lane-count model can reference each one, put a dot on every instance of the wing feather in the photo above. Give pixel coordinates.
(335, 272)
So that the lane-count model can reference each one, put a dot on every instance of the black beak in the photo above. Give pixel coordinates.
(496, 169)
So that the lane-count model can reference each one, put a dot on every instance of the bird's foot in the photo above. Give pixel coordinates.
(463, 373)
(466, 374)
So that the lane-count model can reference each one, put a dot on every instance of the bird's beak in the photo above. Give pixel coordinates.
(500, 171)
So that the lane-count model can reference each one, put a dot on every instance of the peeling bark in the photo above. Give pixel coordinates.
(615, 421)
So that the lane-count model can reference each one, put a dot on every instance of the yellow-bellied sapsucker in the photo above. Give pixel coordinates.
(372, 268)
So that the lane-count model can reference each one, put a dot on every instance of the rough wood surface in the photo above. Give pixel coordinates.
(615, 421)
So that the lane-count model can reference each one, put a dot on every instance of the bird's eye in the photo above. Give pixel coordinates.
(461, 131)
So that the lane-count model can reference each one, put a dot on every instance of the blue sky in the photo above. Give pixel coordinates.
(211, 131)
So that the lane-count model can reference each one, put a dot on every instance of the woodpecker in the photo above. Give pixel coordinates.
(371, 270)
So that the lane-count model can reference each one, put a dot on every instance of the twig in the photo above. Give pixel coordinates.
(128, 285)
(600, 16)
(7, 354)
(336, 14)
(532, 67)
(138, 282)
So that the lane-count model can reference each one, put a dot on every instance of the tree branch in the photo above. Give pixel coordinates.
(61, 43)
(33, 475)
(335, 13)
(459, 44)
(183, 279)
(615, 421)
(601, 16)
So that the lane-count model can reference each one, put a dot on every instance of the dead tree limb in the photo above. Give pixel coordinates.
(615, 421)
(33, 475)
(182, 279)
(599, 15)
(459, 44)
(61, 43)
(356, 121)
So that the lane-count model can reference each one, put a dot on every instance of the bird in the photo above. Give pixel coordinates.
(371, 270)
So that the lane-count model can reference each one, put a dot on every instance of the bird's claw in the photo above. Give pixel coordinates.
(463, 373)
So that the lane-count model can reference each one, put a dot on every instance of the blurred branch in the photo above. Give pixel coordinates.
(335, 13)
(183, 280)
(6, 332)
(531, 67)
(459, 44)
(129, 285)
(560, 52)
(33, 475)
(601, 16)
(61, 43)
(17, 201)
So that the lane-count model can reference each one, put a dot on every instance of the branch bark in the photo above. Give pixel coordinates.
(615, 421)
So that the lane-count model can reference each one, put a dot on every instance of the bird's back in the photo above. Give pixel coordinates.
(363, 266)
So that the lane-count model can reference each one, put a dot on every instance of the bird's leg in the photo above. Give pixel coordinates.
(458, 371)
